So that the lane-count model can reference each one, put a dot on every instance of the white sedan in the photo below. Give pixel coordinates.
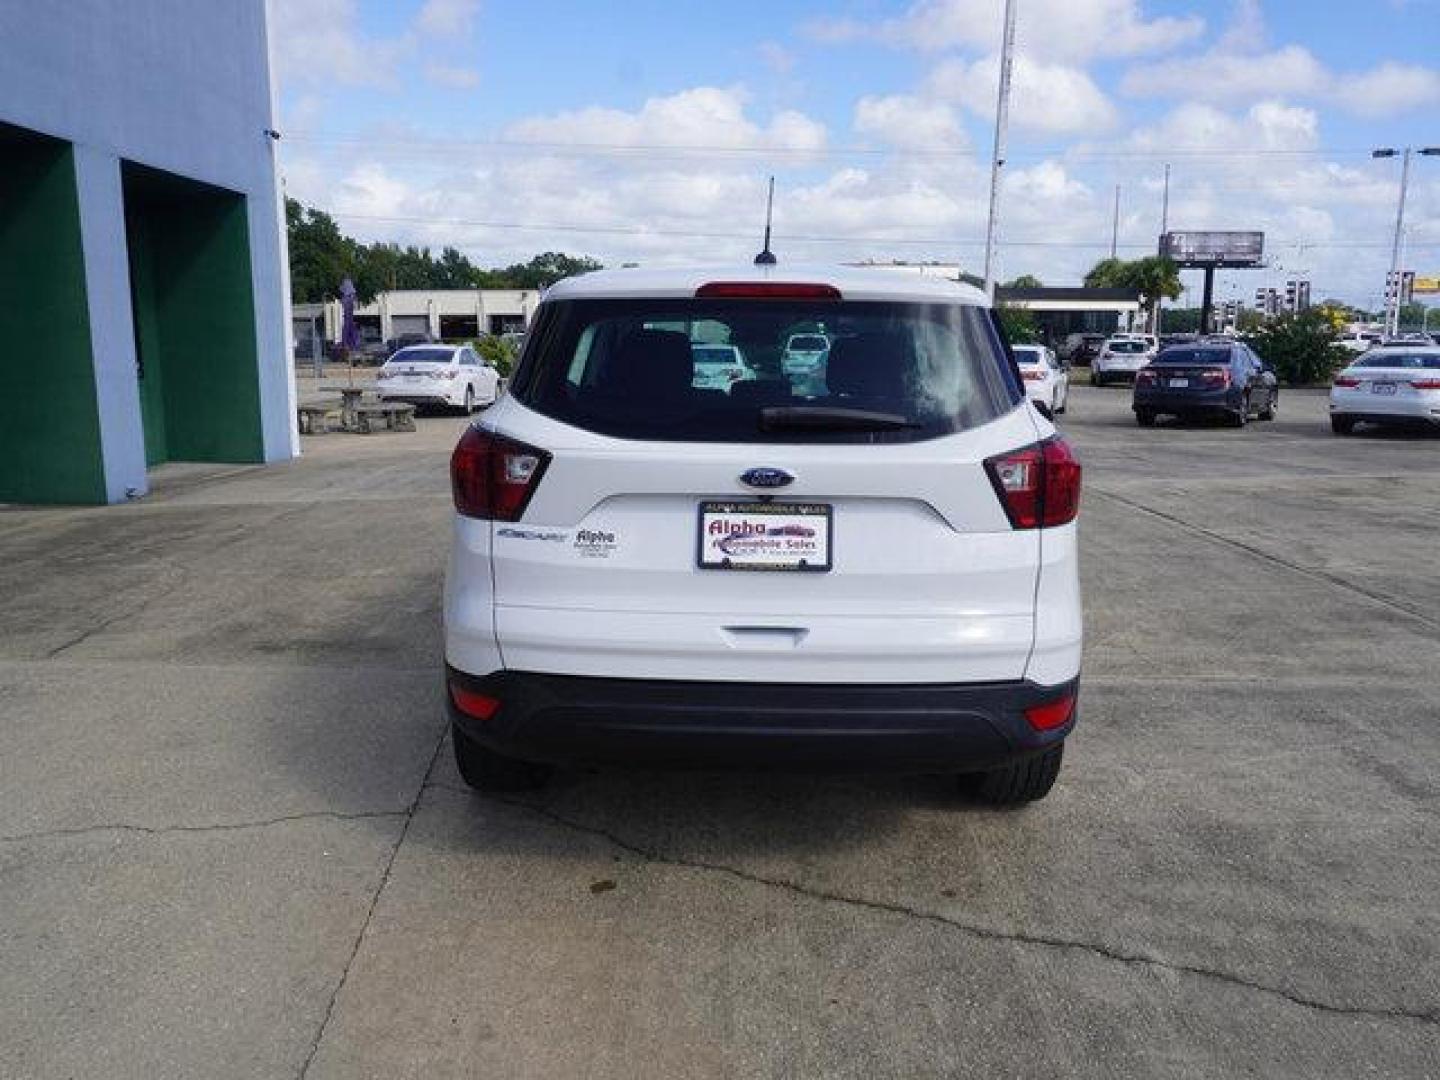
(1046, 380)
(450, 375)
(1120, 358)
(1396, 384)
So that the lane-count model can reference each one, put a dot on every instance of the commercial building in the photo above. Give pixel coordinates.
(437, 314)
(143, 286)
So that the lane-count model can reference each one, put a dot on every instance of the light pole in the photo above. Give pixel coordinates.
(997, 160)
(1392, 283)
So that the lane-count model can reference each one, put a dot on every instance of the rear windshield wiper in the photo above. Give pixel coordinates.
(830, 418)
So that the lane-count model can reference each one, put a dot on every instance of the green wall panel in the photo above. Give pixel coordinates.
(194, 319)
(50, 434)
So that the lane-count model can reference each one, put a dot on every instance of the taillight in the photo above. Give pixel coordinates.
(493, 477)
(1425, 384)
(1030, 375)
(1039, 485)
(480, 706)
(1051, 714)
(1216, 377)
(1144, 377)
(1347, 381)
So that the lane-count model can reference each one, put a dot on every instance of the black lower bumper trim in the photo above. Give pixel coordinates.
(855, 727)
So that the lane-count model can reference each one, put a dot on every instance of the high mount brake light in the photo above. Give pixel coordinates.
(492, 477)
(1039, 485)
(766, 290)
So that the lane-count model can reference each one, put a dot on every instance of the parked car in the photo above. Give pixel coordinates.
(1387, 386)
(718, 367)
(1081, 349)
(454, 376)
(643, 571)
(805, 355)
(1360, 341)
(1119, 359)
(1150, 340)
(1226, 381)
(1046, 379)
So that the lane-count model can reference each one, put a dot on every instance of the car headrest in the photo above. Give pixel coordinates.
(878, 364)
(651, 364)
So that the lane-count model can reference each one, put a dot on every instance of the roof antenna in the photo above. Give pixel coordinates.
(767, 257)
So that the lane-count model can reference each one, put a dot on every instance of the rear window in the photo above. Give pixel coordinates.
(422, 356)
(1027, 355)
(811, 343)
(714, 354)
(895, 372)
(1193, 356)
(1127, 346)
(1394, 358)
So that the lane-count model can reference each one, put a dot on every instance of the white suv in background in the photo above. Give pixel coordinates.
(1120, 358)
(875, 571)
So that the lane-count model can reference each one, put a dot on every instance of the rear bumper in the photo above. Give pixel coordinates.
(570, 719)
(406, 398)
(1379, 408)
(1188, 402)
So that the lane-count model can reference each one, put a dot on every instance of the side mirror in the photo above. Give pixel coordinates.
(1044, 410)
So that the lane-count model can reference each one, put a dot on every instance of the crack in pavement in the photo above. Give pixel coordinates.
(1049, 941)
(1276, 560)
(222, 826)
(409, 813)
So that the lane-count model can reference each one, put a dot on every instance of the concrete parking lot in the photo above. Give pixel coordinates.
(233, 844)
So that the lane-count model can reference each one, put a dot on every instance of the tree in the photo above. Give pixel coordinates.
(321, 256)
(1154, 277)
(1018, 325)
(540, 272)
(1301, 347)
(1024, 281)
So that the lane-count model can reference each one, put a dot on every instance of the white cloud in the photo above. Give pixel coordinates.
(1389, 88)
(445, 18)
(1047, 98)
(705, 116)
(909, 122)
(1063, 29)
(318, 41)
(452, 77)
(776, 57)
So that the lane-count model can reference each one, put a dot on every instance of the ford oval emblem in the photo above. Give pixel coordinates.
(767, 478)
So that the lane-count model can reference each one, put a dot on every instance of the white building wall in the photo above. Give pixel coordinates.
(178, 85)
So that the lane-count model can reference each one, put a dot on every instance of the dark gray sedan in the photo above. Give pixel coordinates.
(1210, 380)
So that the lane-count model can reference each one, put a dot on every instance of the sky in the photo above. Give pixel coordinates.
(644, 131)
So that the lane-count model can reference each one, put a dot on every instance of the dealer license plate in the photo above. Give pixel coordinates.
(764, 536)
(1179, 382)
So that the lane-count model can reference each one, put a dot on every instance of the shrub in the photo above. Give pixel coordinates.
(1018, 325)
(1301, 348)
(498, 353)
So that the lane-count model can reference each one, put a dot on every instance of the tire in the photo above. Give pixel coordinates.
(1271, 408)
(485, 770)
(1145, 417)
(469, 400)
(1097, 379)
(1342, 425)
(1242, 417)
(1023, 782)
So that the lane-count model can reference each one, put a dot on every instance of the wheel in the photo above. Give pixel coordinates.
(469, 400)
(485, 770)
(1097, 378)
(1145, 417)
(1271, 408)
(1025, 781)
(1240, 417)
(1342, 425)
(1064, 401)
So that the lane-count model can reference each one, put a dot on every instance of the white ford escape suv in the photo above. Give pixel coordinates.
(874, 569)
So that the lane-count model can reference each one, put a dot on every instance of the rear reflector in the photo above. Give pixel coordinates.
(493, 477)
(766, 290)
(1052, 714)
(1039, 485)
(480, 706)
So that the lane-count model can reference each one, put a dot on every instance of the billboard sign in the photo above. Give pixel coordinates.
(1214, 248)
(1426, 285)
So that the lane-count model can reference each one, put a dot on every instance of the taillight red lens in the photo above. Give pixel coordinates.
(766, 290)
(1216, 376)
(1346, 380)
(480, 706)
(1031, 375)
(1039, 485)
(1425, 384)
(493, 477)
(1144, 377)
(1052, 714)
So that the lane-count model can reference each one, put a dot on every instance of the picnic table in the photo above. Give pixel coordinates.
(350, 399)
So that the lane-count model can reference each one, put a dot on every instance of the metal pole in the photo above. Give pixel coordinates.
(1392, 300)
(997, 160)
(1115, 226)
(1160, 248)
